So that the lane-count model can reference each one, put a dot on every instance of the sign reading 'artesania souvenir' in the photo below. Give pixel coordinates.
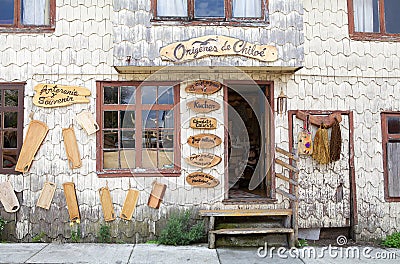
(204, 141)
(213, 45)
(203, 160)
(203, 105)
(201, 179)
(53, 95)
(203, 87)
(203, 122)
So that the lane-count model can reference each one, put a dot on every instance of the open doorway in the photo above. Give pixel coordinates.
(247, 143)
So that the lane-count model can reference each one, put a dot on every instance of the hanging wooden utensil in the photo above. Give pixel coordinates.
(129, 204)
(86, 120)
(46, 196)
(72, 202)
(106, 204)
(37, 131)
(71, 148)
(8, 197)
(157, 194)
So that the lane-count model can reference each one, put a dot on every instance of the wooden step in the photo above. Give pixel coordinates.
(286, 165)
(283, 177)
(287, 153)
(241, 212)
(286, 194)
(244, 231)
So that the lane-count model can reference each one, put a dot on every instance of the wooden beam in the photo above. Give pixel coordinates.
(286, 165)
(286, 194)
(283, 177)
(328, 121)
(238, 212)
(287, 153)
(241, 231)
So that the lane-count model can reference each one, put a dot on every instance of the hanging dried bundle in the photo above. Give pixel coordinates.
(336, 142)
(321, 146)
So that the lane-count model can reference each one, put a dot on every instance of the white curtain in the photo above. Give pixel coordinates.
(172, 8)
(246, 8)
(36, 12)
(363, 15)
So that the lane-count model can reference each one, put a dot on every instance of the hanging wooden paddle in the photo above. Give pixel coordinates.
(8, 197)
(156, 195)
(46, 196)
(72, 202)
(86, 120)
(106, 204)
(71, 148)
(37, 131)
(129, 204)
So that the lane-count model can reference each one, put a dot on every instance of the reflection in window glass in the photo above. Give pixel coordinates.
(165, 95)
(392, 9)
(150, 139)
(127, 119)
(149, 119)
(110, 139)
(149, 158)
(127, 95)
(149, 94)
(166, 159)
(209, 8)
(166, 119)
(110, 95)
(9, 160)
(128, 139)
(110, 159)
(11, 97)
(6, 12)
(10, 119)
(166, 139)
(128, 159)
(393, 124)
(110, 119)
(10, 139)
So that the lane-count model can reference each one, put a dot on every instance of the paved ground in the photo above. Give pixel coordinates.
(154, 254)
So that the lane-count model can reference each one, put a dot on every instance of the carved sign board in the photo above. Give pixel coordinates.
(204, 141)
(213, 45)
(201, 179)
(203, 87)
(203, 105)
(203, 122)
(203, 160)
(53, 95)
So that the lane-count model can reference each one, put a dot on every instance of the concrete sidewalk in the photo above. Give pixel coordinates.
(154, 254)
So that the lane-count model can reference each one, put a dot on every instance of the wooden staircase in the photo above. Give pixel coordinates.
(289, 216)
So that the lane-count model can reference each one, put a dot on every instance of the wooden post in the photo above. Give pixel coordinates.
(211, 235)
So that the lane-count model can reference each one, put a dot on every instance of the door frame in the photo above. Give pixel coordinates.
(270, 86)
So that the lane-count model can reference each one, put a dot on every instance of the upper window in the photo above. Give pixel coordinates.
(28, 14)
(11, 125)
(374, 19)
(138, 129)
(210, 10)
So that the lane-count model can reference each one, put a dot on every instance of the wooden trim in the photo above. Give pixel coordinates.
(226, 135)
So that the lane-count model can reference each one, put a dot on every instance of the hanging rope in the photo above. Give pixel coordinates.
(321, 146)
(336, 142)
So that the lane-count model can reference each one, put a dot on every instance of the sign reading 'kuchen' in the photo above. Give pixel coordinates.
(201, 179)
(53, 95)
(203, 160)
(203, 105)
(203, 122)
(204, 141)
(203, 87)
(212, 45)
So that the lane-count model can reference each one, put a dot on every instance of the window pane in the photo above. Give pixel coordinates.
(166, 159)
(35, 12)
(7, 12)
(166, 139)
(166, 118)
(10, 139)
(366, 15)
(128, 159)
(110, 95)
(128, 139)
(246, 8)
(149, 118)
(393, 123)
(149, 158)
(165, 95)
(172, 8)
(110, 139)
(149, 94)
(392, 10)
(110, 159)
(10, 119)
(110, 119)
(149, 139)
(9, 160)
(127, 94)
(127, 119)
(209, 8)
(11, 97)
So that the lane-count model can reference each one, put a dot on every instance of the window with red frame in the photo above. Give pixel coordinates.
(138, 129)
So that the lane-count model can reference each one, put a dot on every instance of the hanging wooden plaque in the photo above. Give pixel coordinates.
(204, 141)
(157, 194)
(72, 202)
(203, 87)
(203, 105)
(106, 204)
(71, 148)
(8, 198)
(129, 204)
(203, 160)
(86, 120)
(46, 196)
(203, 122)
(201, 179)
(54, 95)
(37, 131)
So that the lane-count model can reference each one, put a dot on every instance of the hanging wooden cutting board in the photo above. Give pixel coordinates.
(203, 160)
(203, 122)
(71, 148)
(201, 179)
(72, 202)
(203, 87)
(86, 120)
(106, 204)
(46, 195)
(8, 197)
(203, 105)
(129, 204)
(37, 131)
(157, 194)
(204, 141)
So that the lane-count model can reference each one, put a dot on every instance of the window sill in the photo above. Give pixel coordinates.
(119, 173)
(359, 36)
(27, 30)
(250, 201)
(234, 23)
